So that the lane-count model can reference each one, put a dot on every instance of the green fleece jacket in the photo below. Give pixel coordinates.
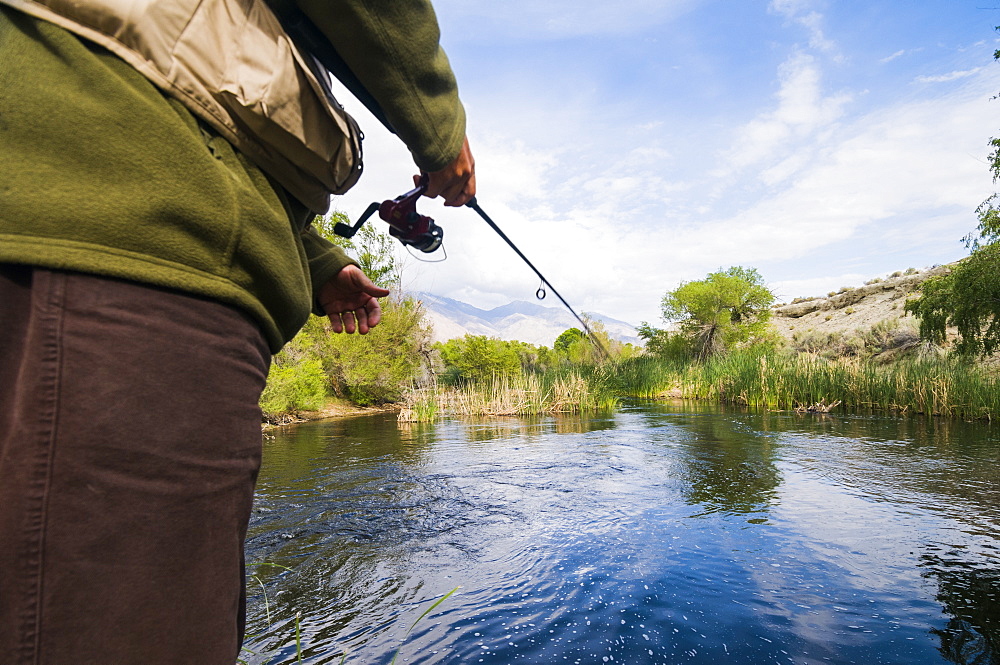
(101, 173)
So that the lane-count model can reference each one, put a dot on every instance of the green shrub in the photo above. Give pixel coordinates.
(479, 359)
(378, 367)
(293, 387)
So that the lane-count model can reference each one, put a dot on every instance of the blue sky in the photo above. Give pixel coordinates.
(629, 146)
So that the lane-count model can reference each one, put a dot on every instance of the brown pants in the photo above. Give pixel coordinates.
(129, 449)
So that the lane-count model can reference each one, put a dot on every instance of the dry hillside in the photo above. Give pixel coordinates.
(852, 313)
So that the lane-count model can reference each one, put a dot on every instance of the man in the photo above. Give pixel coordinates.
(153, 254)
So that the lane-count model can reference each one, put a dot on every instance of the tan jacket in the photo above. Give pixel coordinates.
(230, 63)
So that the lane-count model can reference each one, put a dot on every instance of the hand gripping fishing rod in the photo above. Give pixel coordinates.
(416, 230)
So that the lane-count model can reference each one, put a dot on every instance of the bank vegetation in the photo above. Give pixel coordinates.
(723, 339)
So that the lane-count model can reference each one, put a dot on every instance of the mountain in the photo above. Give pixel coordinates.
(519, 320)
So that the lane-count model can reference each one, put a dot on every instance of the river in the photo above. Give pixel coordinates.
(660, 533)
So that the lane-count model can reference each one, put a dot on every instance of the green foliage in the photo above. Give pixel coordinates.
(366, 369)
(293, 386)
(765, 379)
(726, 308)
(535, 359)
(477, 358)
(665, 344)
(554, 391)
(376, 368)
(374, 250)
(574, 347)
(566, 339)
(968, 298)
(647, 377)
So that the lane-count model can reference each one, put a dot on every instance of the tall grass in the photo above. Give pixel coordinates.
(774, 380)
(520, 395)
(645, 377)
(760, 378)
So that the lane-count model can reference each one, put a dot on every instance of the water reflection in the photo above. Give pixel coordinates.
(838, 539)
(730, 467)
(499, 428)
(970, 595)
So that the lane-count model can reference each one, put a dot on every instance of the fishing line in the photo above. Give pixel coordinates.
(545, 283)
(444, 251)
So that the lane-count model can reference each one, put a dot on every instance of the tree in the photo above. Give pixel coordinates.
(378, 367)
(664, 343)
(479, 359)
(968, 298)
(374, 250)
(566, 339)
(726, 308)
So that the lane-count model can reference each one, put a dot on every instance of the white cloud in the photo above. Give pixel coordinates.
(616, 204)
(802, 110)
(613, 232)
(890, 58)
(951, 76)
(801, 12)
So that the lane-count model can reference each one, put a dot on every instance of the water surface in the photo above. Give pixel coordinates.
(656, 534)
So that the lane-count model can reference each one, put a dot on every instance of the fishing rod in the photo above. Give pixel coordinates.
(540, 293)
(420, 231)
(405, 223)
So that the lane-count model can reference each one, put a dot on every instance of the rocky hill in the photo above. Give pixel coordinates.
(854, 312)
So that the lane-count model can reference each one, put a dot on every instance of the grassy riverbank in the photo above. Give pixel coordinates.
(767, 379)
(757, 378)
(782, 380)
(811, 359)
(519, 395)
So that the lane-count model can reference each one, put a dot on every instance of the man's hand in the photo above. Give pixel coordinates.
(455, 182)
(349, 300)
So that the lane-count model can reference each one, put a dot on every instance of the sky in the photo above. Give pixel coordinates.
(628, 147)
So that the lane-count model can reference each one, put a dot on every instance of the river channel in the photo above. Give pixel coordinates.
(660, 533)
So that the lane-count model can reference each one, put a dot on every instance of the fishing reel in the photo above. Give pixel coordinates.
(405, 223)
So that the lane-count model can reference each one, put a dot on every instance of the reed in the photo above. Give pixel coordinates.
(521, 395)
(420, 405)
(756, 377)
(772, 380)
(645, 377)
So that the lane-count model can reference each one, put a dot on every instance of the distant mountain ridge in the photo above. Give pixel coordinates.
(519, 320)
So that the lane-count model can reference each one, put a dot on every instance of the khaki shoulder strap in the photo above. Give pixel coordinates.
(231, 63)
